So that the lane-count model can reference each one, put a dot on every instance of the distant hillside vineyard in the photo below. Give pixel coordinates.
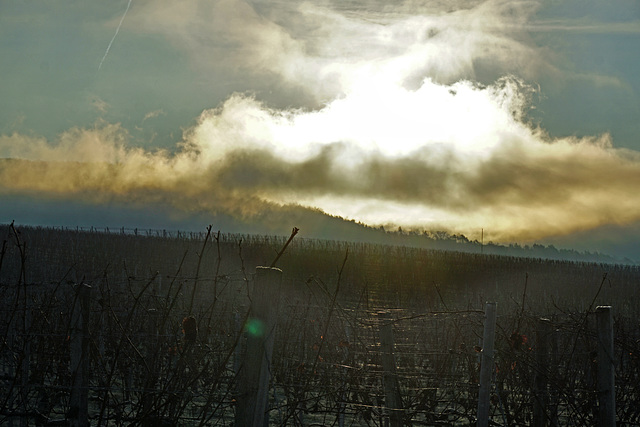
(400, 275)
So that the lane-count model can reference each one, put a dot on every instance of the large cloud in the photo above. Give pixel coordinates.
(457, 156)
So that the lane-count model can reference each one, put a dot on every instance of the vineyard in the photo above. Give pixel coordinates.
(137, 327)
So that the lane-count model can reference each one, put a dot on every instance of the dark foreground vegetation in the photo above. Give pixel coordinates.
(168, 318)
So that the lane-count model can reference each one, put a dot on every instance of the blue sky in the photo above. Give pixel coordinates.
(519, 117)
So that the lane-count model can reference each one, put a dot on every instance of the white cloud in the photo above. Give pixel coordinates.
(154, 114)
(376, 117)
(327, 52)
(99, 104)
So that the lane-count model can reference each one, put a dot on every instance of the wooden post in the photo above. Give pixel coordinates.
(345, 362)
(237, 351)
(541, 395)
(486, 367)
(393, 398)
(25, 364)
(606, 368)
(78, 415)
(554, 392)
(255, 370)
(151, 345)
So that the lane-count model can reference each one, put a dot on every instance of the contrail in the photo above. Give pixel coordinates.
(114, 36)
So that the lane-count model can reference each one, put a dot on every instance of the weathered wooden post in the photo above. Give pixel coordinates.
(606, 368)
(486, 366)
(541, 395)
(237, 351)
(554, 392)
(393, 398)
(345, 361)
(151, 345)
(26, 361)
(255, 370)
(78, 415)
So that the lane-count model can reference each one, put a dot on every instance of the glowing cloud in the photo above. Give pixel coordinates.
(327, 53)
(422, 159)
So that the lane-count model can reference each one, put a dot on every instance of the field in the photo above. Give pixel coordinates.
(140, 327)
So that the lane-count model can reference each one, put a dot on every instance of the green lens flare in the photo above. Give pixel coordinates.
(254, 327)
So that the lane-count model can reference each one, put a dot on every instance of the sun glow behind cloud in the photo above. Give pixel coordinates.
(400, 132)
(377, 117)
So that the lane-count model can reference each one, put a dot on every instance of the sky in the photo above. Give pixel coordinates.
(519, 119)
